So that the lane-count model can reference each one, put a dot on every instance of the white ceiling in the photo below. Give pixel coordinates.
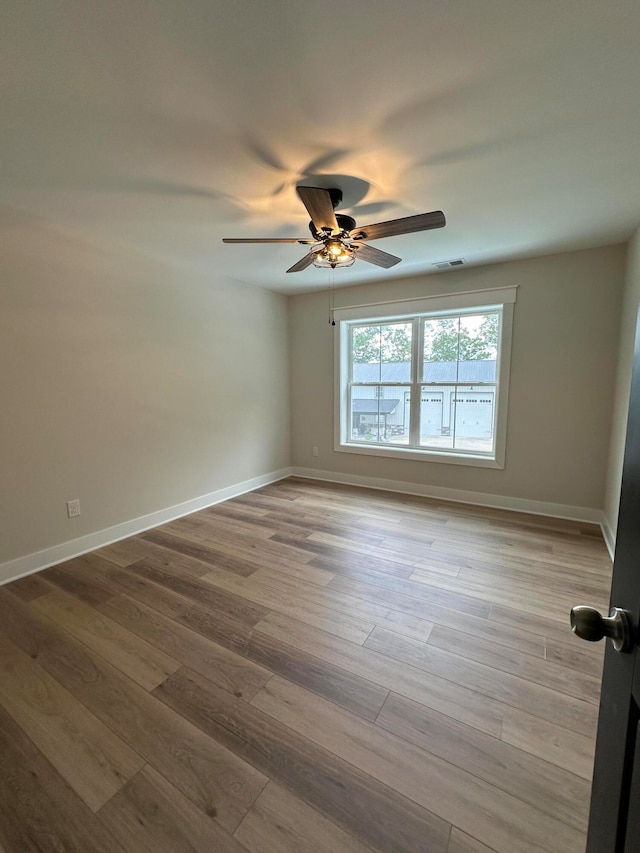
(169, 124)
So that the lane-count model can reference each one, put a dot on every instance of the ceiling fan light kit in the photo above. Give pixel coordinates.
(337, 241)
(335, 253)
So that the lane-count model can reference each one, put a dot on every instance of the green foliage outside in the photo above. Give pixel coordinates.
(446, 339)
(393, 343)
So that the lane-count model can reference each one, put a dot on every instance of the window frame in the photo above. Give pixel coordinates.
(415, 310)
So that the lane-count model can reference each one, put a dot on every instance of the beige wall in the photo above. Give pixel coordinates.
(127, 384)
(563, 363)
(631, 300)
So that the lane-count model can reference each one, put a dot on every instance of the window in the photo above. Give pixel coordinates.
(431, 384)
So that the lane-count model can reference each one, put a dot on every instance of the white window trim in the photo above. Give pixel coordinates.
(502, 297)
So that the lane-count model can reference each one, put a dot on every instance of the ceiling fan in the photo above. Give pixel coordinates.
(337, 241)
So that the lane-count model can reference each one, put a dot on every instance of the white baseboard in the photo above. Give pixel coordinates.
(30, 563)
(609, 537)
(35, 562)
(553, 510)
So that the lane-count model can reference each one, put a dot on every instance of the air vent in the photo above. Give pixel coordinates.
(446, 265)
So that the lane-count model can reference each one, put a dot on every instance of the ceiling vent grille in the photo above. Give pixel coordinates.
(446, 265)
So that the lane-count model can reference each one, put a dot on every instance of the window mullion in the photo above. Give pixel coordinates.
(417, 347)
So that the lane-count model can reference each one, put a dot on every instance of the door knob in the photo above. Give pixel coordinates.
(589, 624)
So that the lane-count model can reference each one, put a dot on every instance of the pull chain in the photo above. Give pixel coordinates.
(332, 322)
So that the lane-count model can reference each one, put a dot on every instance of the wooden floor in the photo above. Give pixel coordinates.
(304, 668)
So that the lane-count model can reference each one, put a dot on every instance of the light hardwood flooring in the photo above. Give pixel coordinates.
(307, 667)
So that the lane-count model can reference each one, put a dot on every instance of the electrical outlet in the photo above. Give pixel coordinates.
(73, 508)
(316, 452)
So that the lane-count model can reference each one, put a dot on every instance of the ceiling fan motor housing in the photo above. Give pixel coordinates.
(345, 224)
(335, 195)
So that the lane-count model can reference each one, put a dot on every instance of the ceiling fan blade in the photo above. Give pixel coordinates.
(320, 208)
(406, 225)
(301, 240)
(302, 264)
(375, 256)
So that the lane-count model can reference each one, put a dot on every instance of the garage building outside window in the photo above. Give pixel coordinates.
(427, 378)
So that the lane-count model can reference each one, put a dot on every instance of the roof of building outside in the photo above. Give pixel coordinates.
(467, 372)
(375, 406)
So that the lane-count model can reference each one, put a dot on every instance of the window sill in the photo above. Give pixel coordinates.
(422, 455)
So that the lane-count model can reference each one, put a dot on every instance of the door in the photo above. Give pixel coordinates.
(474, 414)
(614, 823)
(431, 413)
